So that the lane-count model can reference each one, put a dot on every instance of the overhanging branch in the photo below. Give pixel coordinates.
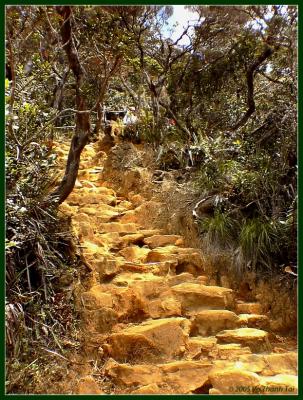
(250, 87)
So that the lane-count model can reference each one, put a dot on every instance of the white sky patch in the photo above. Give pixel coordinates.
(178, 22)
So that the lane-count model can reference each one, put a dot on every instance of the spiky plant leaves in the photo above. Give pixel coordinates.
(259, 242)
(221, 229)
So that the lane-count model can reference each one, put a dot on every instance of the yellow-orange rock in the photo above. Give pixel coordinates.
(117, 227)
(272, 364)
(144, 214)
(88, 385)
(68, 209)
(154, 339)
(132, 239)
(152, 388)
(233, 381)
(279, 384)
(198, 347)
(163, 240)
(196, 297)
(131, 375)
(109, 267)
(177, 377)
(101, 320)
(249, 308)
(185, 376)
(168, 253)
(209, 322)
(232, 351)
(256, 339)
(253, 321)
(95, 298)
(181, 278)
(134, 253)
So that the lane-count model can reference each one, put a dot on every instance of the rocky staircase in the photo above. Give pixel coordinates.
(150, 316)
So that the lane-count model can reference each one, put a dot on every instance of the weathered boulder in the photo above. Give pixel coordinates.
(168, 253)
(95, 298)
(233, 381)
(100, 320)
(249, 308)
(132, 239)
(256, 339)
(209, 322)
(185, 376)
(131, 375)
(134, 253)
(153, 340)
(199, 348)
(196, 297)
(108, 267)
(117, 227)
(231, 351)
(181, 278)
(177, 377)
(163, 240)
(272, 364)
(253, 321)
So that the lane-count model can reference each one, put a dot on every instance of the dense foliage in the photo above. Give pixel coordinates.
(222, 106)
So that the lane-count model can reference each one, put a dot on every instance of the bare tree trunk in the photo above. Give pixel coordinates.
(58, 93)
(99, 117)
(103, 89)
(82, 130)
(250, 87)
(178, 122)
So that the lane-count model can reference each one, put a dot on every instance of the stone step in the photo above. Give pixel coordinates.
(90, 248)
(152, 292)
(254, 321)
(256, 339)
(177, 377)
(86, 183)
(201, 347)
(95, 190)
(195, 297)
(134, 253)
(237, 381)
(110, 240)
(154, 340)
(210, 322)
(181, 278)
(163, 240)
(271, 364)
(248, 308)
(188, 259)
(150, 232)
(231, 351)
(117, 227)
(143, 213)
(132, 239)
(91, 198)
(158, 268)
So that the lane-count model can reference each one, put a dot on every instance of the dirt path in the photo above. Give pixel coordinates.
(151, 322)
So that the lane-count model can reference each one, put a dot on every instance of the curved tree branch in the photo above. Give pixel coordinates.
(250, 87)
(82, 131)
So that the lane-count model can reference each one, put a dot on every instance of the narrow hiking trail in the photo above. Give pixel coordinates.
(150, 321)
